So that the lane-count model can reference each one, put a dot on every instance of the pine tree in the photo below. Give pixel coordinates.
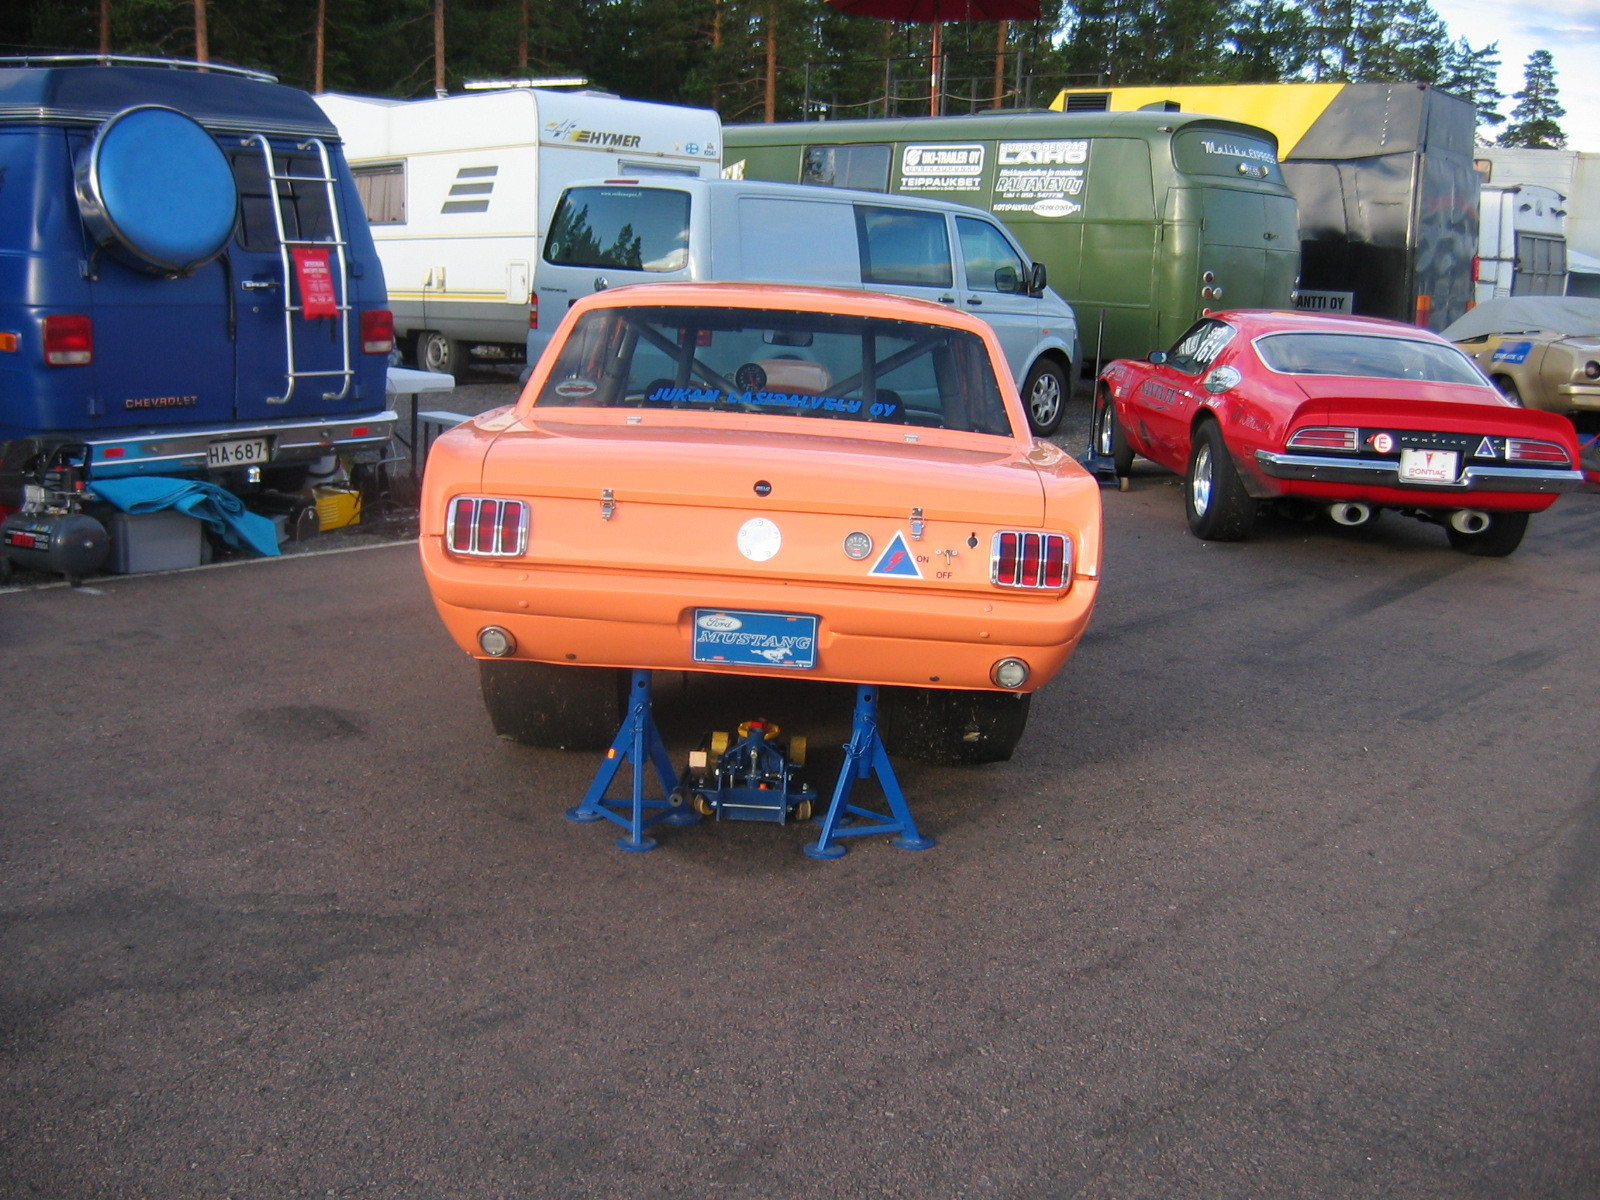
(1535, 119)
(1472, 74)
(1377, 41)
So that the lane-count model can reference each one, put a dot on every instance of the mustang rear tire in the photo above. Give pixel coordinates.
(1502, 537)
(953, 728)
(556, 708)
(1045, 393)
(1214, 499)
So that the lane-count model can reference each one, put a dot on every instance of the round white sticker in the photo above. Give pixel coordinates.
(759, 539)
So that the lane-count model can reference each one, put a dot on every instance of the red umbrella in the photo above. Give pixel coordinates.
(935, 13)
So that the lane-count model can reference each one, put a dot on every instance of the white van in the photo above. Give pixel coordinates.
(458, 191)
(613, 232)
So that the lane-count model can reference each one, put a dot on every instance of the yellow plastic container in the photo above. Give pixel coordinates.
(337, 507)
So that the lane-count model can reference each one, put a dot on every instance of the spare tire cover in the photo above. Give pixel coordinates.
(156, 186)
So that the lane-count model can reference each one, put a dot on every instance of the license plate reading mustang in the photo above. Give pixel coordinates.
(246, 452)
(734, 637)
(1429, 466)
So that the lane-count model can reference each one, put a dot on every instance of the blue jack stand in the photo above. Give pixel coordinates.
(864, 756)
(637, 740)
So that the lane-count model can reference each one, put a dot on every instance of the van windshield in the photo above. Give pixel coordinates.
(624, 228)
(783, 363)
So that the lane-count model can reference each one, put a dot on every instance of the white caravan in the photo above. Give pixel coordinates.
(459, 191)
(1522, 241)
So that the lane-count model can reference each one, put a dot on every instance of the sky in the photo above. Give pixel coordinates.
(1569, 29)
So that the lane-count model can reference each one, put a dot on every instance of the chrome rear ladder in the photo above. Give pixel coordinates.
(339, 268)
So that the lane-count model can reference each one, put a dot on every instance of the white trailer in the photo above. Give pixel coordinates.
(459, 191)
(1522, 242)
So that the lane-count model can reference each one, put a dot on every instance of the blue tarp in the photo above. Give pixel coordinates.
(219, 508)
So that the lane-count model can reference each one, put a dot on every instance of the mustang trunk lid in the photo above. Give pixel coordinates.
(670, 487)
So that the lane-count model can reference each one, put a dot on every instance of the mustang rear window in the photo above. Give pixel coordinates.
(1366, 356)
(846, 368)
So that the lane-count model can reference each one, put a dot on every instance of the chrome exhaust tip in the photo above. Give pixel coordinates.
(1469, 520)
(1350, 512)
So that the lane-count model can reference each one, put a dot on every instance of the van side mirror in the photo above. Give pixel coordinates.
(1036, 279)
(1005, 280)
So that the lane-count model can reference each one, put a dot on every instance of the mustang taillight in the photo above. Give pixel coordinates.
(1528, 450)
(487, 528)
(1324, 437)
(1030, 560)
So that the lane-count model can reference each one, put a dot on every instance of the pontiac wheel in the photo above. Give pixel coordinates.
(1215, 502)
(1109, 439)
(1502, 537)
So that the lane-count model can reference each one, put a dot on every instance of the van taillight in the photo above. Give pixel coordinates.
(68, 340)
(533, 310)
(487, 528)
(1030, 560)
(377, 331)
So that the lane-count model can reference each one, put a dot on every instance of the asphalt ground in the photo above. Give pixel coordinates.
(1291, 890)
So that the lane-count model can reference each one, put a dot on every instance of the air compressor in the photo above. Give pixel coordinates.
(50, 532)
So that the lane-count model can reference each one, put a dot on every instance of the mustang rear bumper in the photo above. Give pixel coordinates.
(1385, 473)
(878, 635)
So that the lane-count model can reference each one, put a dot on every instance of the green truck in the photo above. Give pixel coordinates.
(1143, 220)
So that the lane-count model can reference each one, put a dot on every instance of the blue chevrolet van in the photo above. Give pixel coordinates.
(188, 285)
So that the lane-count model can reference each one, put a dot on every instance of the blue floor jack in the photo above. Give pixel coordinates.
(752, 779)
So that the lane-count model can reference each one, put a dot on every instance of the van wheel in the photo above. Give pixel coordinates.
(1045, 394)
(557, 708)
(953, 728)
(440, 354)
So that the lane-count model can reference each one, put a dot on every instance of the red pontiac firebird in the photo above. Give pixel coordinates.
(1344, 414)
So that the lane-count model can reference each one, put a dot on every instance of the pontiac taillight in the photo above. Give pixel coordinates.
(487, 528)
(1528, 450)
(1020, 559)
(1324, 437)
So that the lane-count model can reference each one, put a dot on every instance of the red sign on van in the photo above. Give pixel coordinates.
(316, 282)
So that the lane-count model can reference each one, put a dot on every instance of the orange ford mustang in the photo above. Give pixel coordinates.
(763, 480)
